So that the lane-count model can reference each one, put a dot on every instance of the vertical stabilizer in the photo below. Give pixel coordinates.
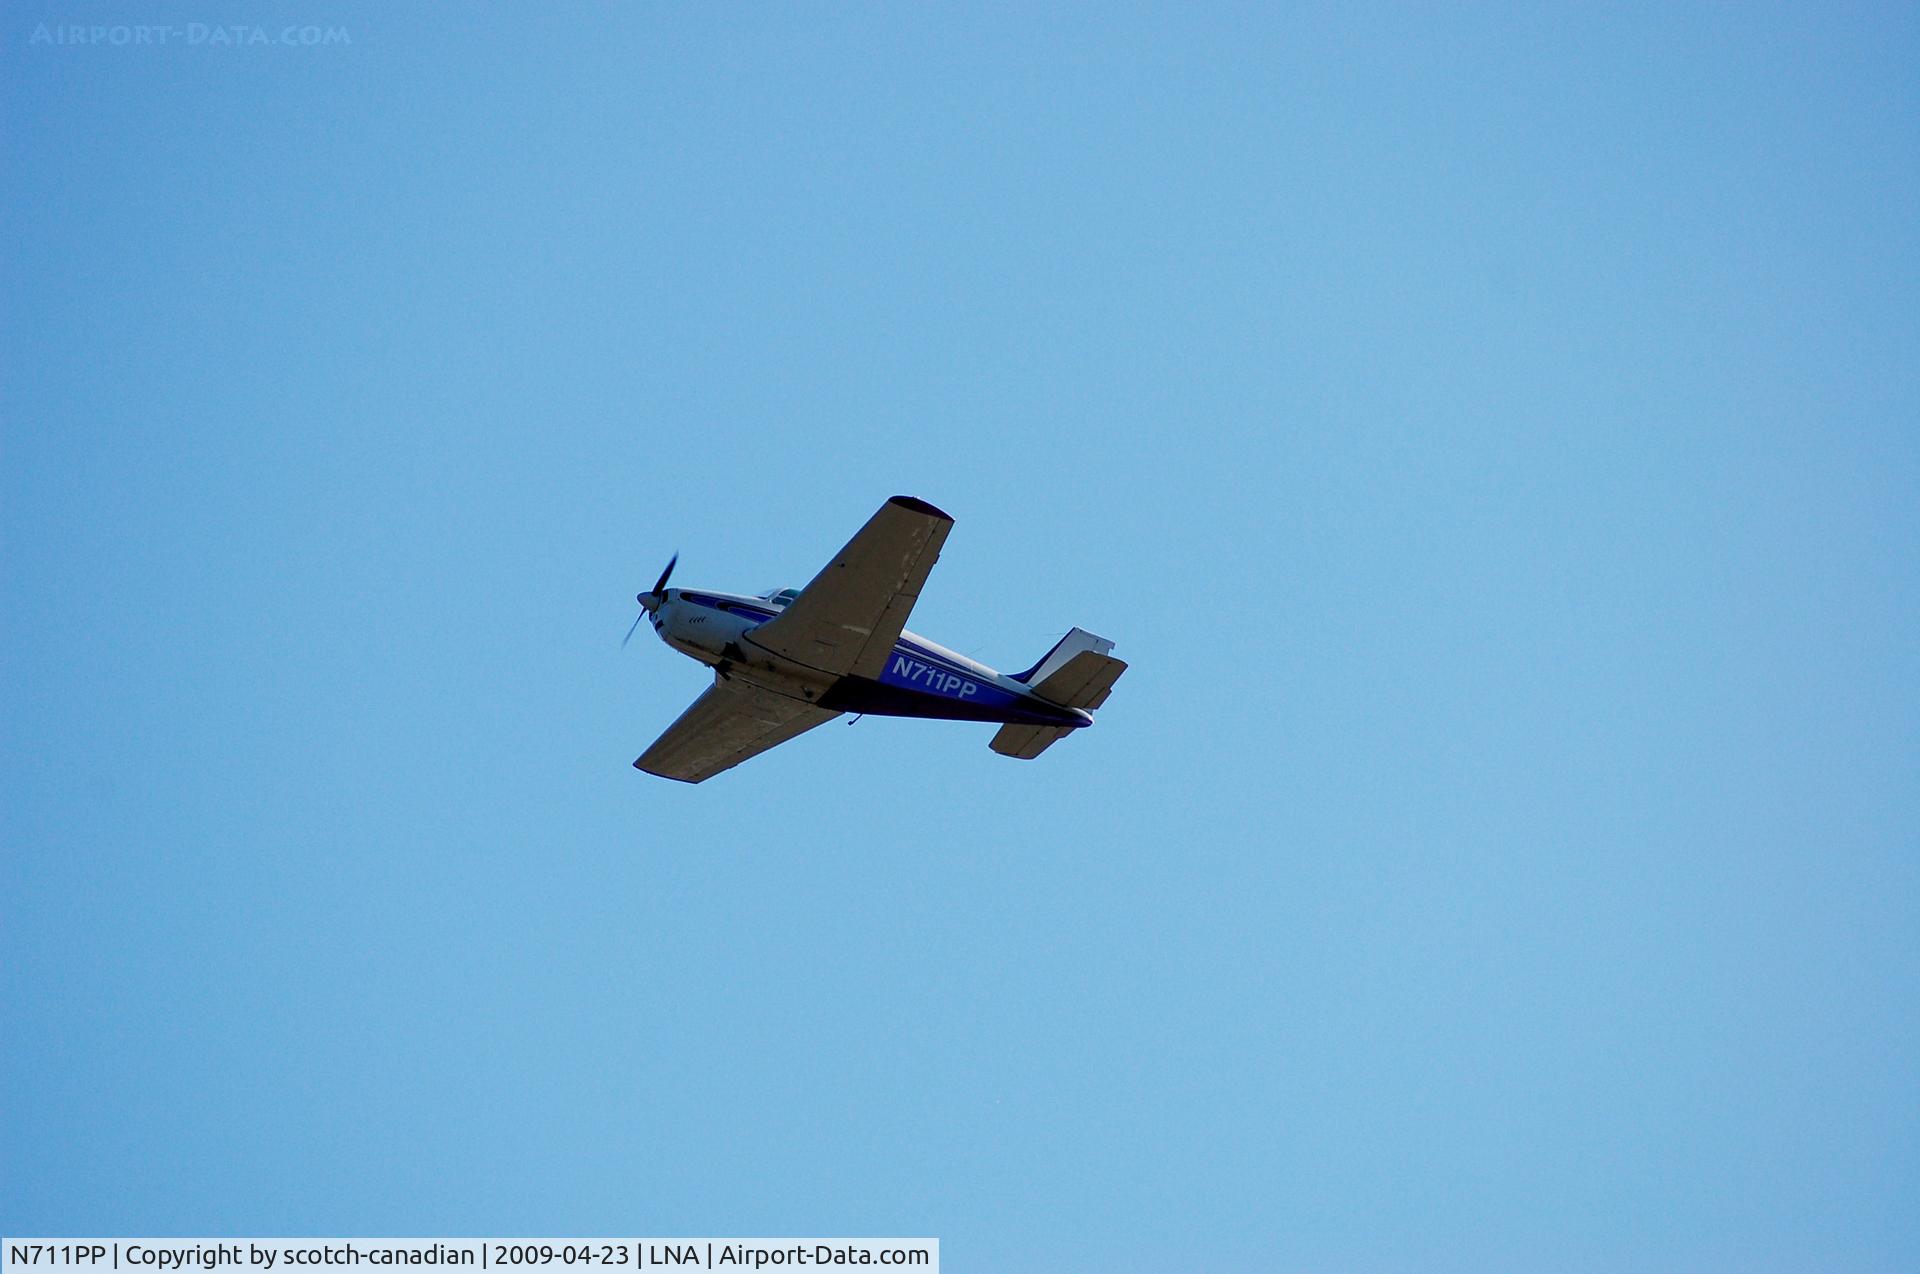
(1066, 648)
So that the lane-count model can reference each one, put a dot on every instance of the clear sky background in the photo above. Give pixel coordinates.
(1493, 440)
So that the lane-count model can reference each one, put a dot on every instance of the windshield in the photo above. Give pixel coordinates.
(782, 598)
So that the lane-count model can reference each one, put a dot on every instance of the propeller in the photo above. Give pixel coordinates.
(660, 584)
(651, 599)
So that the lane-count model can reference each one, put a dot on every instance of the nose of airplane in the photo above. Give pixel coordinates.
(651, 600)
(654, 607)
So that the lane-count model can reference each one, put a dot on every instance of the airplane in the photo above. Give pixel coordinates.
(788, 660)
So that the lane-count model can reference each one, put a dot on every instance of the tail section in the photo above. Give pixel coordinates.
(1077, 673)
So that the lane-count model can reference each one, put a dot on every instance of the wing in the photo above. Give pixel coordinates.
(846, 621)
(728, 724)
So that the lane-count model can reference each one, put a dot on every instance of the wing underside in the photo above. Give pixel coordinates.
(732, 722)
(846, 621)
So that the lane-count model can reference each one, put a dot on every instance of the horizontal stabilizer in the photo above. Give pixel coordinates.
(1084, 681)
(1025, 742)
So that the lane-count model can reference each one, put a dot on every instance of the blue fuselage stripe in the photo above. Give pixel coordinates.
(913, 670)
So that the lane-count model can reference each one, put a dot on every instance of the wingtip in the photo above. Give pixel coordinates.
(660, 774)
(918, 505)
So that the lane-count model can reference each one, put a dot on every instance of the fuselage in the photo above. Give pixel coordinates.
(921, 678)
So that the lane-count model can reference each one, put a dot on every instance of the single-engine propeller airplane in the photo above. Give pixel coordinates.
(787, 661)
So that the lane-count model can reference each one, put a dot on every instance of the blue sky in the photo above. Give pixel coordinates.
(1492, 439)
